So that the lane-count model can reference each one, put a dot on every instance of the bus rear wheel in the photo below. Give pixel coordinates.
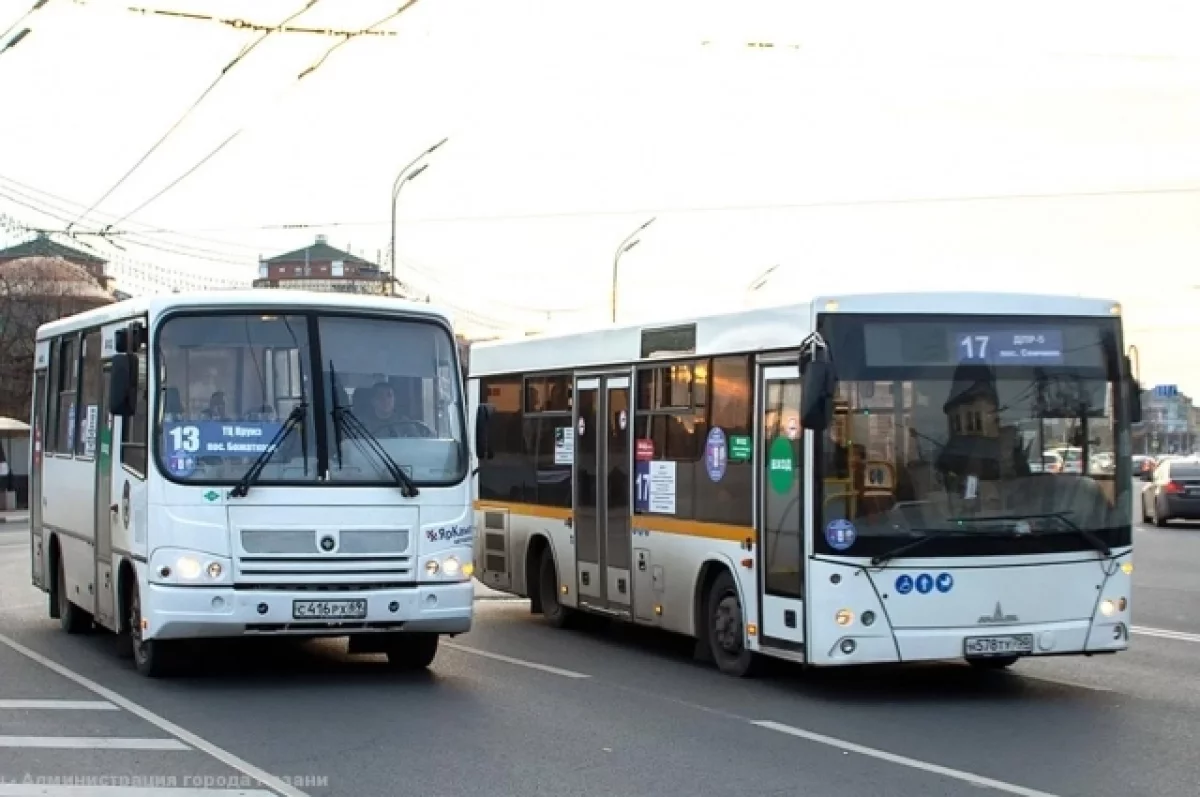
(726, 629)
(71, 618)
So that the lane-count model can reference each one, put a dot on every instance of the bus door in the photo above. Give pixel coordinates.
(105, 508)
(601, 482)
(37, 550)
(781, 506)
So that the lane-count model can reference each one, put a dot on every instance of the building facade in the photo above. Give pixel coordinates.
(321, 267)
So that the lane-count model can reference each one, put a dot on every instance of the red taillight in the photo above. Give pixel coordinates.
(1175, 488)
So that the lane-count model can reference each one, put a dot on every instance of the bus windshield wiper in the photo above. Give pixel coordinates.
(930, 534)
(295, 418)
(344, 420)
(1090, 536)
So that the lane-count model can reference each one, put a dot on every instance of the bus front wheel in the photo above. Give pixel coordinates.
(726, 629)
(150, 656)
(555, 613)
(412, 651)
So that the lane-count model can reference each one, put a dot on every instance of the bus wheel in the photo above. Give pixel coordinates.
(555, 613)
(412, 651)
(150, 656)
(726, 632)
(993, 663)
(72, 619)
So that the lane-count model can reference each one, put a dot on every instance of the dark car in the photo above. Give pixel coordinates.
(1174, 493)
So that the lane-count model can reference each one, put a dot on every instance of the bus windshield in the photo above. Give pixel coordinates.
(1013, 442)
(229, 382)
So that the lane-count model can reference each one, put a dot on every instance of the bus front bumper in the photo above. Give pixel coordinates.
(175, 612)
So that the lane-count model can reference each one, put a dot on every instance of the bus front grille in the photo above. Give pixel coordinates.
(327, 571)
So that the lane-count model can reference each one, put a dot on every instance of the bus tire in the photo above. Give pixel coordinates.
(993, 663)
(151, 657)
(71, 618)
(555, 613)
(726, 628)
(412, 651)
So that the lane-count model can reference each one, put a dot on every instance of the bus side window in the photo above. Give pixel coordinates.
(135, 429)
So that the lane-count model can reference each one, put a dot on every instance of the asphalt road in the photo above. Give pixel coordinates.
(517, 708)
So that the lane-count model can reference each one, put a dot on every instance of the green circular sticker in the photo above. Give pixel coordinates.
(781, 464)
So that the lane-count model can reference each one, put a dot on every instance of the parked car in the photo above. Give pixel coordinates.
(1174, 494)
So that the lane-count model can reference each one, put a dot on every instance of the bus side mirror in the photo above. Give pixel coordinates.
(818, 385)
(483, 417)
(1135, 401)
(122, 385)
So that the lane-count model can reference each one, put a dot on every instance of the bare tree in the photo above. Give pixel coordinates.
(36, 291)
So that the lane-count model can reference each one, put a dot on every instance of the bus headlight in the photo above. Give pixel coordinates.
(175, 566)
(454, 567)
(188, 568)
(450, 566)
(1107, 607)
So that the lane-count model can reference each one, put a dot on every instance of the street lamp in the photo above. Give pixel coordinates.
(403, 177)
(631, 241)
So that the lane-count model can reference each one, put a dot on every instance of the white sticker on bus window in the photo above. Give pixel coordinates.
(662, 488)
(564, 446)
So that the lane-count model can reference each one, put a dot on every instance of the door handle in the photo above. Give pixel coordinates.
(114, 508)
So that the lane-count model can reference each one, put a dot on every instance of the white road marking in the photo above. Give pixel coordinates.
(904, 761)
(533, 665)
(1064, 682)
(31, 790)
(186, 736)
(65, 705)
(91, 743)
(1165, 633)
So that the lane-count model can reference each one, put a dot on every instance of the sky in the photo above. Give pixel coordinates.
(1016, 146)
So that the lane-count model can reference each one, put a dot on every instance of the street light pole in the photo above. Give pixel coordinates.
(630, 241)
(403, 177)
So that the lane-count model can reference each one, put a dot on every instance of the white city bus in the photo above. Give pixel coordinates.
(253, 462)
(834, 483)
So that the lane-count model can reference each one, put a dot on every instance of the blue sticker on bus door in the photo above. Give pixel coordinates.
(904, 584)
(641, 486)
(945, 582)
(715, 454)
(924, 583)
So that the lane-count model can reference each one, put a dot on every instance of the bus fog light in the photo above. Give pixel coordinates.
(847, 646)
(394, 607)
(262, 608)
(214, 570)
(432, 567)
(1107, 607)
(188, 567)
(450, 566)
(844, 617)
(868, 617)
(218, 603)
(1119, 632)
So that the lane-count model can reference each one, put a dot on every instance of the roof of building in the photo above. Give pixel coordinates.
(44, 246)
(50, 276)
(319, 251)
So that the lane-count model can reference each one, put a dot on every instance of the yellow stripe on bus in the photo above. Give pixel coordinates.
(687, 528)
